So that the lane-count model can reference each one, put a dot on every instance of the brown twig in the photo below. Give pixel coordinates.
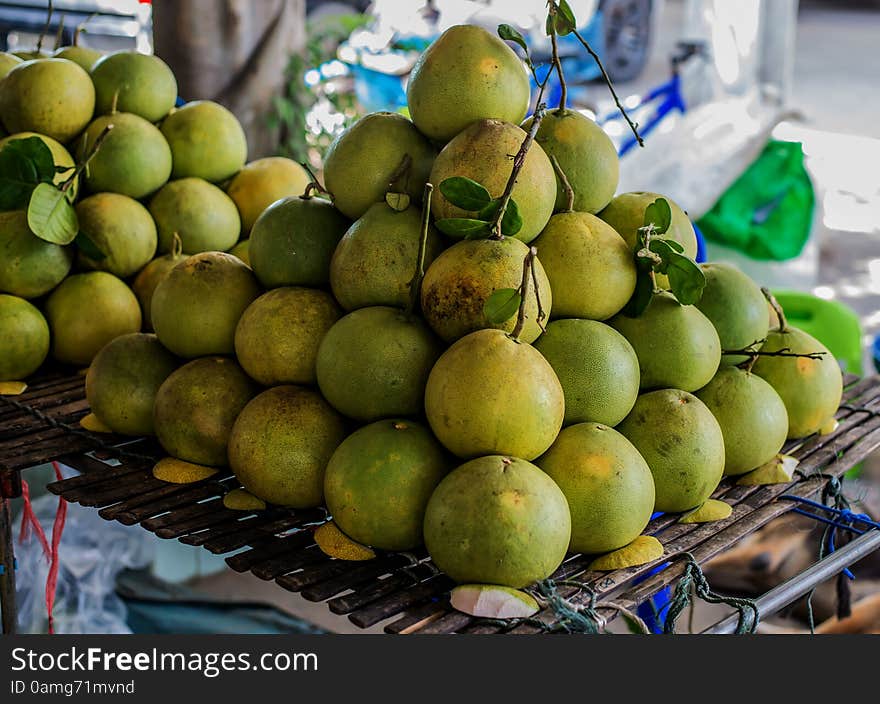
(81, 27)
(566, 186)
(415, 283)
(313, 185)
(555, 63)
(59, 35)
(774, 304)
(81, 166)
(45, 31)
(541, 314)
(528, 263)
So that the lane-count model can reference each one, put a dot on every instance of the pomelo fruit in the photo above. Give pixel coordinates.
(8, 62)
(202, 215)
(277, 337)
(375, 260)
(483, 152)
(292, 242)
(626, 214)
(60, 156)
(144, 284)
(597, 367)
(81, 55)
(88, 310)
(280, 445)
(263, 181)
(374, 363)
(29, 266)
(752, 417)
(682, 443)
(196, 407)
(491, 394)
(677, 345)
(586, 155)
(460, 280)
(123, 379)
(196, 307)
(206, 141)
(607, 483)
(379, 480)
(242, 251)
(362, 162)
(24, 343)
(54, 97)
(138, 83)
(497, 520)
(467, 74)
(121, 228)
(590, 268)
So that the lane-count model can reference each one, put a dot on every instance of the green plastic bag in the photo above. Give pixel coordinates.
(768, 211)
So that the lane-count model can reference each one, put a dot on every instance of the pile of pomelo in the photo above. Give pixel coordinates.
(329, 371)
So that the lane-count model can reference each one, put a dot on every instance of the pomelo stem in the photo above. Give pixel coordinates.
(566, 186)
(85, 162)
(415, 283)
(81, 27)
(401, 171)
(60, 33)
(49, 10)
(176, 245)
(774, 304)
(527, 273)
(313, 185)
(555, 62)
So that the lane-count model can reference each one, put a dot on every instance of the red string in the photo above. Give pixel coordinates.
(57, 530)
(29, 519)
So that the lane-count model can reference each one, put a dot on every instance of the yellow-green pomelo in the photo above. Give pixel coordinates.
(676, 345)
(491, 394)
(374, 363)
(280, 445)
(54, 97)
(206, 141)
(142, 84)
(375, 261)
(123, 379)
(591, 269)
(459, 282)
(292, 242)
(133, 160)
(585, 154)
(467, 74)
(196, 307)
(121, 228)
(60, 156)
(144, 284)
(203, 216)
(29, 266)
(736, 307)
(497, 520)
(8, 62)
(597, 367)
(277, 337)
(379, 480)
(682, 443)
(752, 417)
(196, 407)
(626, 214)
(24, 338)
(82, 55)
(88, 310)
(608, 485)
(483, 152)
(241, 250)
(260, 183)
(362, 164)
(809, 388)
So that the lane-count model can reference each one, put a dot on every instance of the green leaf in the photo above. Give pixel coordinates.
(50, 215)
(671, 243)
(502, 305)
(511, 223)
(88, 247)
(643, 293)
(466, 228)
(465, 193)
(565, 21)
(397, 201)
(686, 279)
(550, 25)
(35, 150)
(659, 214)
(18, 178)
(508, 33)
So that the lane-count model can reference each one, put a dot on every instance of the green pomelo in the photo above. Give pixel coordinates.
(206, 141)
(196, 407)
(497, 520)
(460, 281)
(597, 367)
(467, 74)
(626, 214)
(81, 55)
(677, 345)
(204, 217)
(123, 380)
(196, 307)
(591, 270)
(121, 228)
(585, 154)
(682, 443)
(86, 312)
(375, 261)
(277, 337)
(608, 485)
(374, 363)
(24, 342)
(482, 152)
(293, 241)
(8, 62)
(134, 159)
(491, 394)
(260, 183)
(54, 97)
(379, 480)
(132, 82)
(144, 284)
(29, 266)
(60, 156)
(242, 251)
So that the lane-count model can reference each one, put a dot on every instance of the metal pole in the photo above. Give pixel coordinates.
(796, 587)
(7, 573)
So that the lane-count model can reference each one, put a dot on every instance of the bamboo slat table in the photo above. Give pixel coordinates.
(404, 590)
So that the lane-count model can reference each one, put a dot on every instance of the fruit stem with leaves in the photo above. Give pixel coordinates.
(85, 162)
(566, 186)
(774, 304)
(415, 283)
(528, 273)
